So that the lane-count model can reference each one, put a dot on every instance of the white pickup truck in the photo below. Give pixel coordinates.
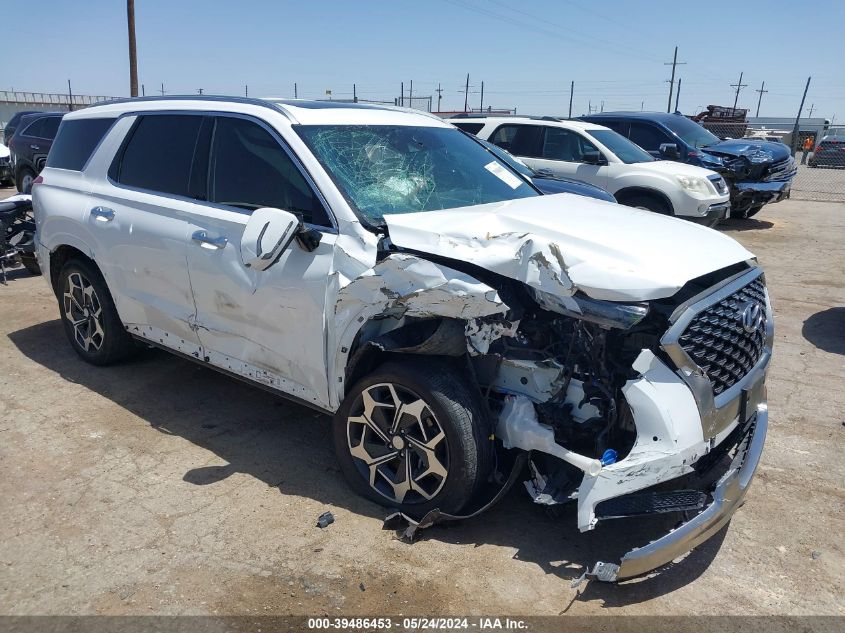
(602, 157)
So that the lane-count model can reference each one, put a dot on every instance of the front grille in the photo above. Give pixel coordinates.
(781, 170)
(717, 341)
(719, 183)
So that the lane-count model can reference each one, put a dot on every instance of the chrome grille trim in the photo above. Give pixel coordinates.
(718, 410)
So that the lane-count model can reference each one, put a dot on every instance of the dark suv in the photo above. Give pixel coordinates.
(30, 144)
(12, 125)
(758, 172)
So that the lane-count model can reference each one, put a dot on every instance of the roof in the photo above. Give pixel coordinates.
(651, 116)
(300, 111)
(564, 123)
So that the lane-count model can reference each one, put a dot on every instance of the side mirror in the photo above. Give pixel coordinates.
(593, 158)
(669, 150)
(267, 234)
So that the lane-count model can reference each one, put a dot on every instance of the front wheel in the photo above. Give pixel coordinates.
(24, 180)
(412, 436)
(648, 203)
(88, 314)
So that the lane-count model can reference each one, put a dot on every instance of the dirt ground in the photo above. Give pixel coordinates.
(160, 487)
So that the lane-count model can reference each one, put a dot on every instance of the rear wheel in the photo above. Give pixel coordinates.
(88, 314)
(24, 180)
(412, 436)
(31, 264)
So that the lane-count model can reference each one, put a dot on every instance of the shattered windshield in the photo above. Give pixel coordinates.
(383, 169)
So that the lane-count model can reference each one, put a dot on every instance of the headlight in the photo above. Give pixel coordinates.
(695, 184)
(605, 313)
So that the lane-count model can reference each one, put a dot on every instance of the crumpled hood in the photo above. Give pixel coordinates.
(564, 243)
(756, 151)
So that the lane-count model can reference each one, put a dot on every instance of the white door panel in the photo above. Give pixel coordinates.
(265, 325)
(143, 241)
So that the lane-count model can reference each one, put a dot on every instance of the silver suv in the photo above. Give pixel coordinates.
(463, 330)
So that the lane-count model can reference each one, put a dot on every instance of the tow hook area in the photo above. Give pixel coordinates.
(604, 572)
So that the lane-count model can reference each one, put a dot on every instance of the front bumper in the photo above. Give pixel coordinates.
(749, 194)
(715, 212)
(728, 496)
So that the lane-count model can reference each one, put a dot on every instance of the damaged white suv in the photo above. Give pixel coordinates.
(464, 330)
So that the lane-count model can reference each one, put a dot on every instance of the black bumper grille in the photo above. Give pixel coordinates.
(719, 343)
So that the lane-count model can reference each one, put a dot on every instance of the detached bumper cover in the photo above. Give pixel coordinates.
(762, 192)
(728, 495)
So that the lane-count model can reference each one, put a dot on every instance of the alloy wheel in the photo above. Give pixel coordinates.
(84, 312)
(397, 444)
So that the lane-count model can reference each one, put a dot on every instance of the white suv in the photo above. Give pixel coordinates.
(602, 157)
(463, 330)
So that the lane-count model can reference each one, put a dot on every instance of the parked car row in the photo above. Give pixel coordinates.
(830, 152)
(29, 136)
(636, 156)
(464, 330)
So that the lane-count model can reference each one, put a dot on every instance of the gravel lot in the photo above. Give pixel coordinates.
(160, 487)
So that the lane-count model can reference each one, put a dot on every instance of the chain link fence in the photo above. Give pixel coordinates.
(819, 150)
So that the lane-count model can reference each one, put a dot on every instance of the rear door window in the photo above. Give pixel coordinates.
(250, 169)
(159, 153)
(33, 129)
(76, 142)
(565, 145)
(648, 136)
(519, 140)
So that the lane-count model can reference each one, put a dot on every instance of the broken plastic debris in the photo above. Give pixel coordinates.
(603, 572)
(325, 519)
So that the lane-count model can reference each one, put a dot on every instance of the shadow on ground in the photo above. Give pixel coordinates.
(289, 446)
(826, 330)
(751, 224)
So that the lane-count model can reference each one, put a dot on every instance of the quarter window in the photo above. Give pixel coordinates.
(76, 143)
(250, 169)
(159, 153)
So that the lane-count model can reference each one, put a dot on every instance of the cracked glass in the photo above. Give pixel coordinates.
(384, 169)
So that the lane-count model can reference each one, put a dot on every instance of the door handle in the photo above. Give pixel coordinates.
(209, 242)
(103, 214)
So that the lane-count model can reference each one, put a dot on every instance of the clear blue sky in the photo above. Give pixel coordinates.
(526, 53)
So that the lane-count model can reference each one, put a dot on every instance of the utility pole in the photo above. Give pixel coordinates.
(355, 93)
(642, 105)
(143, 92)
(401, 93)
(678, 94)
(571, 94)
(69, 97)
(439, 96)
(761, 90)
(739, 86)
(481, 105)
(798, 118)
(199, 91)
(411, 95)
(812, 107)
(295, 91)
(246, 90)
(133, 54)
(673, 64)
(162, 89)
(466, 94)
(602, 105)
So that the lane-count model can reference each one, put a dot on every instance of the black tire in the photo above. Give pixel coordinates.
(31, 264)
(110, 343)
(649, 203)
(24, 175)
(453, 407)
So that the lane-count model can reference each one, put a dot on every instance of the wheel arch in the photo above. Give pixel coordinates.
(62, 254)
(630, 192)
